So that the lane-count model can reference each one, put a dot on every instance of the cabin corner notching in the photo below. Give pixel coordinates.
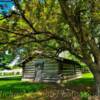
(46, 70)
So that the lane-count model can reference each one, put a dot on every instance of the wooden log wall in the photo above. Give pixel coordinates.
(49, 71)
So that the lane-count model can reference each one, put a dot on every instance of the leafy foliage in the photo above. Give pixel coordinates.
(48, 27)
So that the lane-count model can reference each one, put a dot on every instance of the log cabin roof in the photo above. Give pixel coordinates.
(68, 61)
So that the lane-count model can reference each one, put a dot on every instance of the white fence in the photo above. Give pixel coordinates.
(15, 72)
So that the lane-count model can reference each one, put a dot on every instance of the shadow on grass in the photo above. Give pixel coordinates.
(15, 86)
(82, 81)
(82, 85)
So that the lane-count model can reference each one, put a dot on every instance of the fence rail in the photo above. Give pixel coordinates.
(10, 73)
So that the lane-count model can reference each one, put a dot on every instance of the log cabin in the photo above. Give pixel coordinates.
(48, 70)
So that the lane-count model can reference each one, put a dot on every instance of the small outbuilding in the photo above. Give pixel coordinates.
(48, 70)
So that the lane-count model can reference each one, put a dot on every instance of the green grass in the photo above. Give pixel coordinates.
(87, 75)
(84, 84)
(14, 86)
(87, 79)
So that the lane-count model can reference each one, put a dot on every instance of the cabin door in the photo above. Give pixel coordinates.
(38, 71)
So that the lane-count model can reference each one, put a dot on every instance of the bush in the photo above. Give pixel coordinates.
(84, 95)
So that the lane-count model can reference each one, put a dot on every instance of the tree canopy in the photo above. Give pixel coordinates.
(49, 27)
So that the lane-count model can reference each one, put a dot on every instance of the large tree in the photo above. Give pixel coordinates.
(52, 26)
(83, 17)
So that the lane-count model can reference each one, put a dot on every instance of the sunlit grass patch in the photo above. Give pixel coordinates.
(87, 75)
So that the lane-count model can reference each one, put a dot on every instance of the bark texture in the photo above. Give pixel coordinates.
(89, 48)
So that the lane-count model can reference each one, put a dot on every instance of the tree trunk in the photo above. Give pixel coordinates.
(97, 76)
(97, 82)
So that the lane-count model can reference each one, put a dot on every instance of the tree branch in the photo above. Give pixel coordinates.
(23, 16)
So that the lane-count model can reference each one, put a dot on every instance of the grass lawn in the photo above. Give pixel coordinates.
(87, 79)
(84, 84)
(14, 87)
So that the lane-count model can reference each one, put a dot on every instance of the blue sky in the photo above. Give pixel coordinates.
(6, 5)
